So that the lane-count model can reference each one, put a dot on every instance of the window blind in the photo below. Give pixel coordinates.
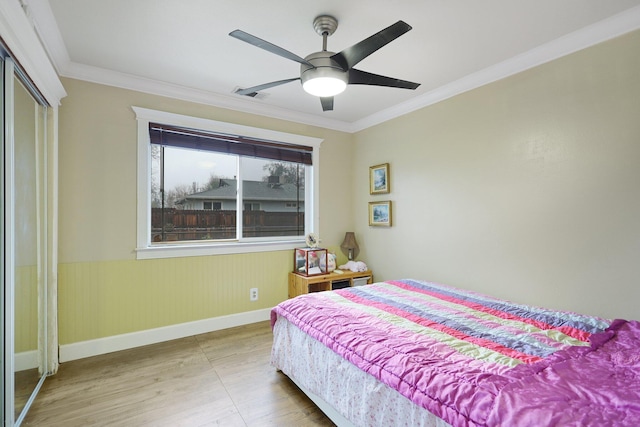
(174, 136)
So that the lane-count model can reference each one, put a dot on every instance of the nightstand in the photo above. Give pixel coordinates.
(299, 284)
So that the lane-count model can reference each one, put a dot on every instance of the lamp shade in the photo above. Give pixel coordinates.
(349, 246)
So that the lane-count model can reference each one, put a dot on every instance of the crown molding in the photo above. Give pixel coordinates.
(47, 29)
(231, 102)
(591, 35)
(599, 32)
(17, 30)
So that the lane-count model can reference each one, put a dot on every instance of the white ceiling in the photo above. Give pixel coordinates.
(181, 48)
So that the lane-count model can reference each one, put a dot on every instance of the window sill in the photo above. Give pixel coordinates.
(204, 249)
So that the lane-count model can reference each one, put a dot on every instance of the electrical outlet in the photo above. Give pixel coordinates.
(253, 294)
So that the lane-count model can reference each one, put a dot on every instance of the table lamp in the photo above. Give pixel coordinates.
(349, 246)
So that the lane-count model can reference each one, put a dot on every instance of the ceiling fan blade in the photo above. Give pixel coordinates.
(359, 77)
(269, 47)
(327, 103)
(350, 56)
(250, 90)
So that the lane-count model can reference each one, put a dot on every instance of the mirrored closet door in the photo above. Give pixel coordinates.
(24, 257)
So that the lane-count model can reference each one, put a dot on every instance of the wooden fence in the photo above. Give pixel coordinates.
(204, 224)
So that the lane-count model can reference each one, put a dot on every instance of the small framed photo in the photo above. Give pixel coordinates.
(379, 179)
(380, 213)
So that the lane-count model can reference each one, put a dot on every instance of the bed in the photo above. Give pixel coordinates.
(415, 353)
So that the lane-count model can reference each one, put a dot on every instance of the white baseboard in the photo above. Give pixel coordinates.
(83, 349)
(26, 360)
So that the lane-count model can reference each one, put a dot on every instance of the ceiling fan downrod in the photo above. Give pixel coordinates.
(325, 25)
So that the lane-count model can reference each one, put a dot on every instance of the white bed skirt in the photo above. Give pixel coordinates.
(353, 396)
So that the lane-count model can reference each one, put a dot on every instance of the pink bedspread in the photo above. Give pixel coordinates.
(477, 361)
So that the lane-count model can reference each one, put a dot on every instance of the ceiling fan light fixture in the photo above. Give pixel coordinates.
(326, 79)
(324, 86)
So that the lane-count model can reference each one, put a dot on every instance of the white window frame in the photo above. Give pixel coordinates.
(144, 248)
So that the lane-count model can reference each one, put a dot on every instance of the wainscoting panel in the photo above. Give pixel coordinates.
(109, 298)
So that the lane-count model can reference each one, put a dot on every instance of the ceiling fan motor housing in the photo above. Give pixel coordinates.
(325, 67)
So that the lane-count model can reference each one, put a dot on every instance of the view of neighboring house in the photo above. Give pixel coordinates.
(269, 196)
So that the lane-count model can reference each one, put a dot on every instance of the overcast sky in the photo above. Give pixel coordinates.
(183, 167)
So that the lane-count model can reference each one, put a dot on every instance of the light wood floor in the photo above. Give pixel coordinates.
(221, 378)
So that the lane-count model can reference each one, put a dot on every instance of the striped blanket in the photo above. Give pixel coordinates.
(476, 360)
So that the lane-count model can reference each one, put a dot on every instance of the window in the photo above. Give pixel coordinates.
(216, 206)
(208, 187)
(254, 207)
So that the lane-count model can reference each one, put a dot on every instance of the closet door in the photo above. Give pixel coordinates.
(24, 248)
(28, 128)
(5, 325)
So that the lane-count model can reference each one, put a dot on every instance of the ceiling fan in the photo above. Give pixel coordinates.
(326, 74)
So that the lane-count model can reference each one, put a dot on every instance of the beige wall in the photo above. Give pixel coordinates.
(103, 290)
(97, 152)
(528, 188)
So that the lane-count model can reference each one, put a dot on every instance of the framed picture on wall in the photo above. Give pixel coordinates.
(380, 213)
(379, 179)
